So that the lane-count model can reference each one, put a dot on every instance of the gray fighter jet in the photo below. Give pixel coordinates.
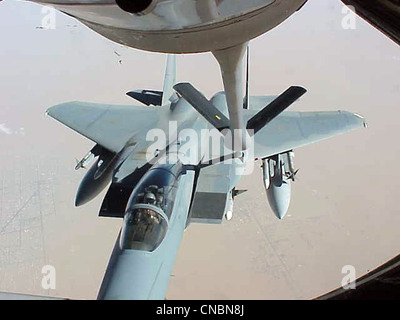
(158, 189)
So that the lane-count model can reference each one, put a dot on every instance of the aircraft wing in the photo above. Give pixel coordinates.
(108, 125)
(291, 130)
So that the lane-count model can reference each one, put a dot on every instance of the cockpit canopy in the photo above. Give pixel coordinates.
(144, 228)
(149, 209)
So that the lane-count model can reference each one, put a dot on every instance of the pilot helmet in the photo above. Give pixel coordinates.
(150, 198)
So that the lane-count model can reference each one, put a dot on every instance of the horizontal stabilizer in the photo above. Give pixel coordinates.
(203, 106)
(272, 110)
(147, 97)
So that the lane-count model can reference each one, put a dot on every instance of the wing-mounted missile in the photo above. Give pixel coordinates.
(88, 158)
(266, 173)
(231, 198)
(98, 176)
(288, 160)
(278, 171)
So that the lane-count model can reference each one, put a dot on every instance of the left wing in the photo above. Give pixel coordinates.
(107, 125)
(291, 130)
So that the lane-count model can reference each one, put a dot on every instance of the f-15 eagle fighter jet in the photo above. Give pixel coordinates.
(165, 173)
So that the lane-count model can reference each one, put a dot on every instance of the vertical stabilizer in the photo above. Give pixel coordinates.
(169, 79)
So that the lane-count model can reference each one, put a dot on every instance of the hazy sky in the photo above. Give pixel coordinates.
(344, 209)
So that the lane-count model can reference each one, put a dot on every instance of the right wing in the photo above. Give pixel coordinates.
(259, 102)
(291, 130)
(108, 125)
